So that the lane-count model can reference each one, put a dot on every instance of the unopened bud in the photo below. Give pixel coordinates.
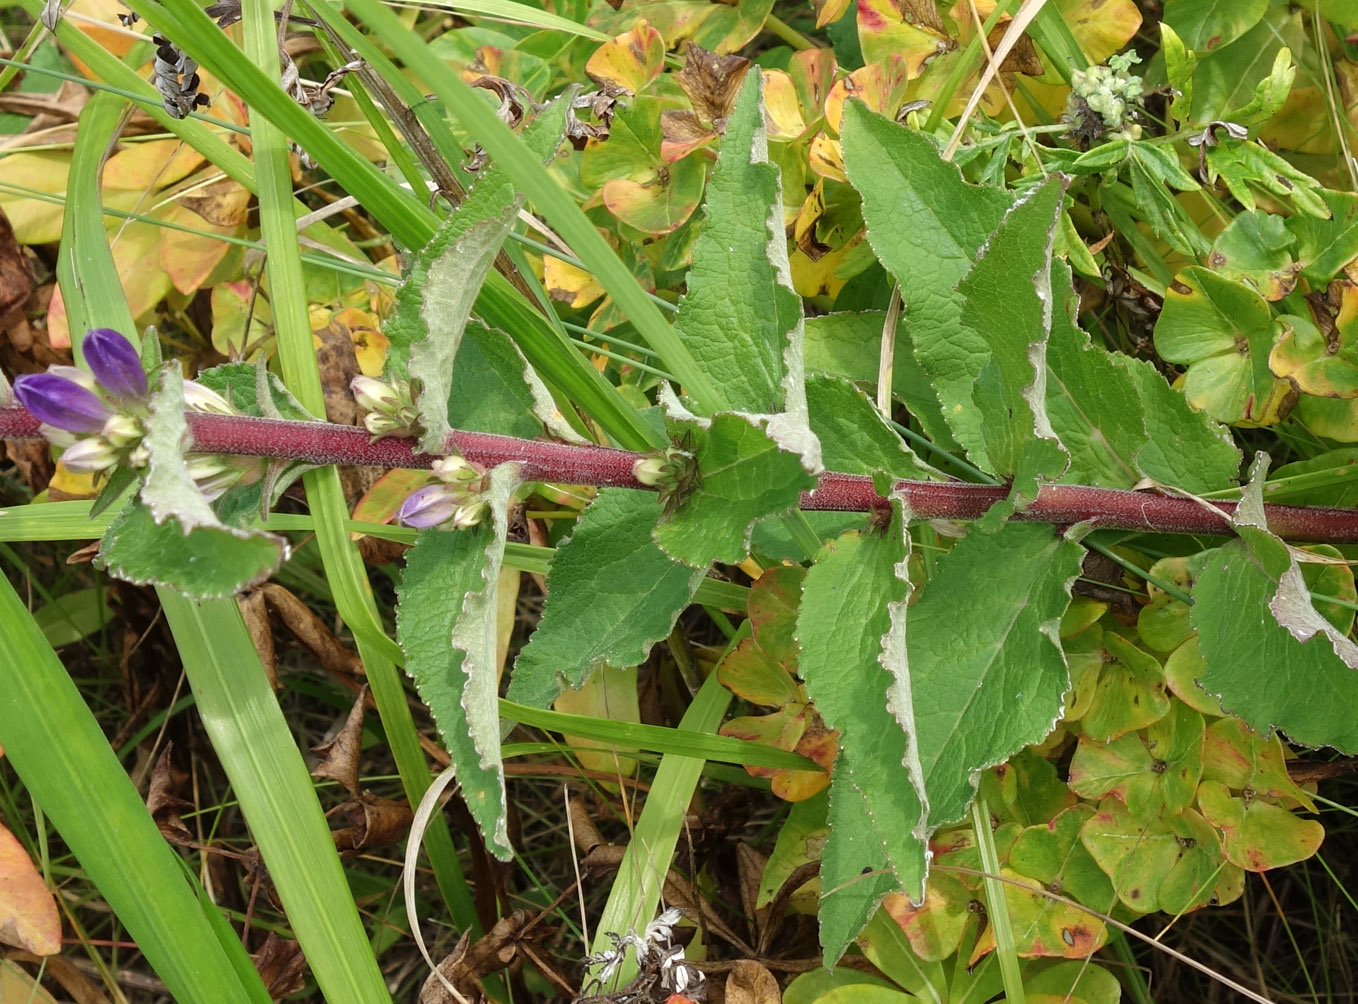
(651, 471)
(199, 398)
(90, 456)
(122, 430)
(454, 470)
(469, 514)
(372, 394)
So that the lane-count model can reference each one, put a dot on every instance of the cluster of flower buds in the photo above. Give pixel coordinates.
(1111, 92)
(390, 406)
(455, 498)
(98, 416)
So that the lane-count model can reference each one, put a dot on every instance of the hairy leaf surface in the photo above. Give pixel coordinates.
(611, 595)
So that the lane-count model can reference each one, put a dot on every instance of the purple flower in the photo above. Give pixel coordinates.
(429, 506)
(115, 363)
(54, 400)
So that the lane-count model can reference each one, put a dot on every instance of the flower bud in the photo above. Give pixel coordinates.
(469, 514)
(428, 506)
(55, 400)
(651, 471)
(200, 398)
(90, 456)
(115, 364)
(122, 430)
(454, 469)
(372, 394)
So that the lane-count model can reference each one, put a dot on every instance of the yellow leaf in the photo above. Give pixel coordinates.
(17, 985)
(880, 86)
(612, 694)
(1102, 27)
(826, 158)
(782, 110)
(36, 221)
(573, 286)
(72, 486)
(28, 913)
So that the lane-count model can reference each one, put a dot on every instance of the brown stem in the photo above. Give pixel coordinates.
(1064, 505)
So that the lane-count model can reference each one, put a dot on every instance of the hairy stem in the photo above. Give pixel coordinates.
(1106, 508)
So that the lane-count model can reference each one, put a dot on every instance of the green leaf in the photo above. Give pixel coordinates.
(854, 439)
(436, 297)
(495, 390)
(1184, 447)
(1228, 77)
(1205, 25)
(1270, 94)
(740, 317)
(847, 344)
(611, 595)
(69, 617)
(1129, 694)
(743, 475)
(1223, 331)
(855, 874)
(852, 596)
(1160, 770)
(1007, 301)
(171, 536)
(1242, 163)
(445, 623)
(1179, 66)
(1256, 248)
(927, 226)
(1258, 835)
(723, 28)
(1163, 213)
(1091, 401)
(1050, 852)
(1324, 246)
(986, 671)
(88, 799)
(1251, 610)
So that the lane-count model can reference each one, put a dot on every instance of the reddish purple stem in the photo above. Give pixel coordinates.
(323, 443)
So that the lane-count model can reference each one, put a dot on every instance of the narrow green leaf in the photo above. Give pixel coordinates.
(1007, 301)
(842, 626)
(85, 792)
(277, 796)
(611, 595)
(1270, 656)
(437, 296)
(1242, 163)
(445, 623)
(743, 476)
(740, 317)
(987, 672)
(927, 226)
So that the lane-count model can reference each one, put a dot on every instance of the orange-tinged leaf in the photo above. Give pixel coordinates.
(151, 166)
(813, 74)
(135, 248)
(934, 928)
(908, 29)
(569, 284)
(682, 132)
(382, 500)
(631, 61)
(880, 86)
(28, 912)
(189, 259)
(660, 204)
(99, 20)
(233, 306)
